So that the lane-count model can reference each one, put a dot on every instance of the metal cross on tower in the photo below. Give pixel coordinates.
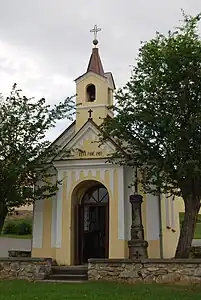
(95, 31)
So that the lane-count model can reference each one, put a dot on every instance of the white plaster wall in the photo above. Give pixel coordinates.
(128, 180)
(152, 217)
(121, 204)
(54, 216)
(54, 222)
(38, 224)
(167, 211)
(58, 214)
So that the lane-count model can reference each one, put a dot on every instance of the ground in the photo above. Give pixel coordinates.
(21, 290)
(18, 226)
(13, 244)
(12, 240)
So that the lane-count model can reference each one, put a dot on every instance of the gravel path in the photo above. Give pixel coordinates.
(196, 242)
(13, 244)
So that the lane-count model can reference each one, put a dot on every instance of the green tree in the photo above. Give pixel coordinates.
(158, 120)
(26, 156)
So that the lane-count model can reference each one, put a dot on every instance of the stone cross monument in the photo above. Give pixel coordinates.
(137, 245)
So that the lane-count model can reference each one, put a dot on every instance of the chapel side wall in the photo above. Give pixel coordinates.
(172, 210)
(41, 246)
(37, 239)
(180, 205)
(43, 227)
(150, 216)
(170, 225)
(128, 190)
(152, 226)
(169, 232)
(118, 243)
(170, 229)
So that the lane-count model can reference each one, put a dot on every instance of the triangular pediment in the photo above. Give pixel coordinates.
(90, 74)
(85, 144)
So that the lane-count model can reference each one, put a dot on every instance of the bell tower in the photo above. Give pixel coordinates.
(94, 89)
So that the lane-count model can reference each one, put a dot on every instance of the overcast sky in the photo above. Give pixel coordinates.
(46, 44)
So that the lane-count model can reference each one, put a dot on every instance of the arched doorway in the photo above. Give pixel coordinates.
(92, 224)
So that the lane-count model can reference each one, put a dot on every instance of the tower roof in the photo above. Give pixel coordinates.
(95, 64)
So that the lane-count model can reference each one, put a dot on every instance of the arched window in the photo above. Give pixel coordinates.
(91, 93)
(98, 194)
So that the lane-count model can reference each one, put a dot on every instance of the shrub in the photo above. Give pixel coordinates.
(10, 228)
(18, 227)
(24, 228)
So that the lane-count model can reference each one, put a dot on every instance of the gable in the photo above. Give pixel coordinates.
(90, 76)
(84, 144)
(65, 136)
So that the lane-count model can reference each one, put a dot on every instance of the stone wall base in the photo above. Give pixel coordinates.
(183, 271)
(19, 253)
(25, 268)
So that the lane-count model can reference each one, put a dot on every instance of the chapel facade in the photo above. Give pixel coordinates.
(90, 216)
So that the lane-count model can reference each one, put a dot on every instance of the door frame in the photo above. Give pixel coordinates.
(79, 230)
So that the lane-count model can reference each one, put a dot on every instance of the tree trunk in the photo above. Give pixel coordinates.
(3, 214)
(192, 207)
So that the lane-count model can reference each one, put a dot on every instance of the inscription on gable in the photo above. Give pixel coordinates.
(84, 153)
(88, 146)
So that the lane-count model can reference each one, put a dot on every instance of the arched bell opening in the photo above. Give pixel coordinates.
(91, 93)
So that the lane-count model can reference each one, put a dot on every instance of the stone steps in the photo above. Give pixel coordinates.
(60, 281)
(68, 274)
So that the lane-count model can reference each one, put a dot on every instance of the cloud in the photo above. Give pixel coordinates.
(45, 44)
(17, 65)
(20, 66)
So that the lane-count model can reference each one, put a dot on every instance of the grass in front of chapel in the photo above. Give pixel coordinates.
(197, 234)
(17, 236)
(21, 290)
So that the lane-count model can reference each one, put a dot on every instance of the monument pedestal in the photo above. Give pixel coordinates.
(137, 245)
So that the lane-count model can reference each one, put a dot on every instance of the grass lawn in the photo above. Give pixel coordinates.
(15, 236)
(21, 290)
(197, 234)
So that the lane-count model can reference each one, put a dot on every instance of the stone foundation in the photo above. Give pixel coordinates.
(25, 268)
(196, 252)
(183, 271)
(19, 253)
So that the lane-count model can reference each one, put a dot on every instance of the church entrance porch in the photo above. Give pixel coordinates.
(92, 224)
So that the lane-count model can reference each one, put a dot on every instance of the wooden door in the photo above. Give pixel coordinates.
(95, 235)
(78, 218)
(107, 231)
